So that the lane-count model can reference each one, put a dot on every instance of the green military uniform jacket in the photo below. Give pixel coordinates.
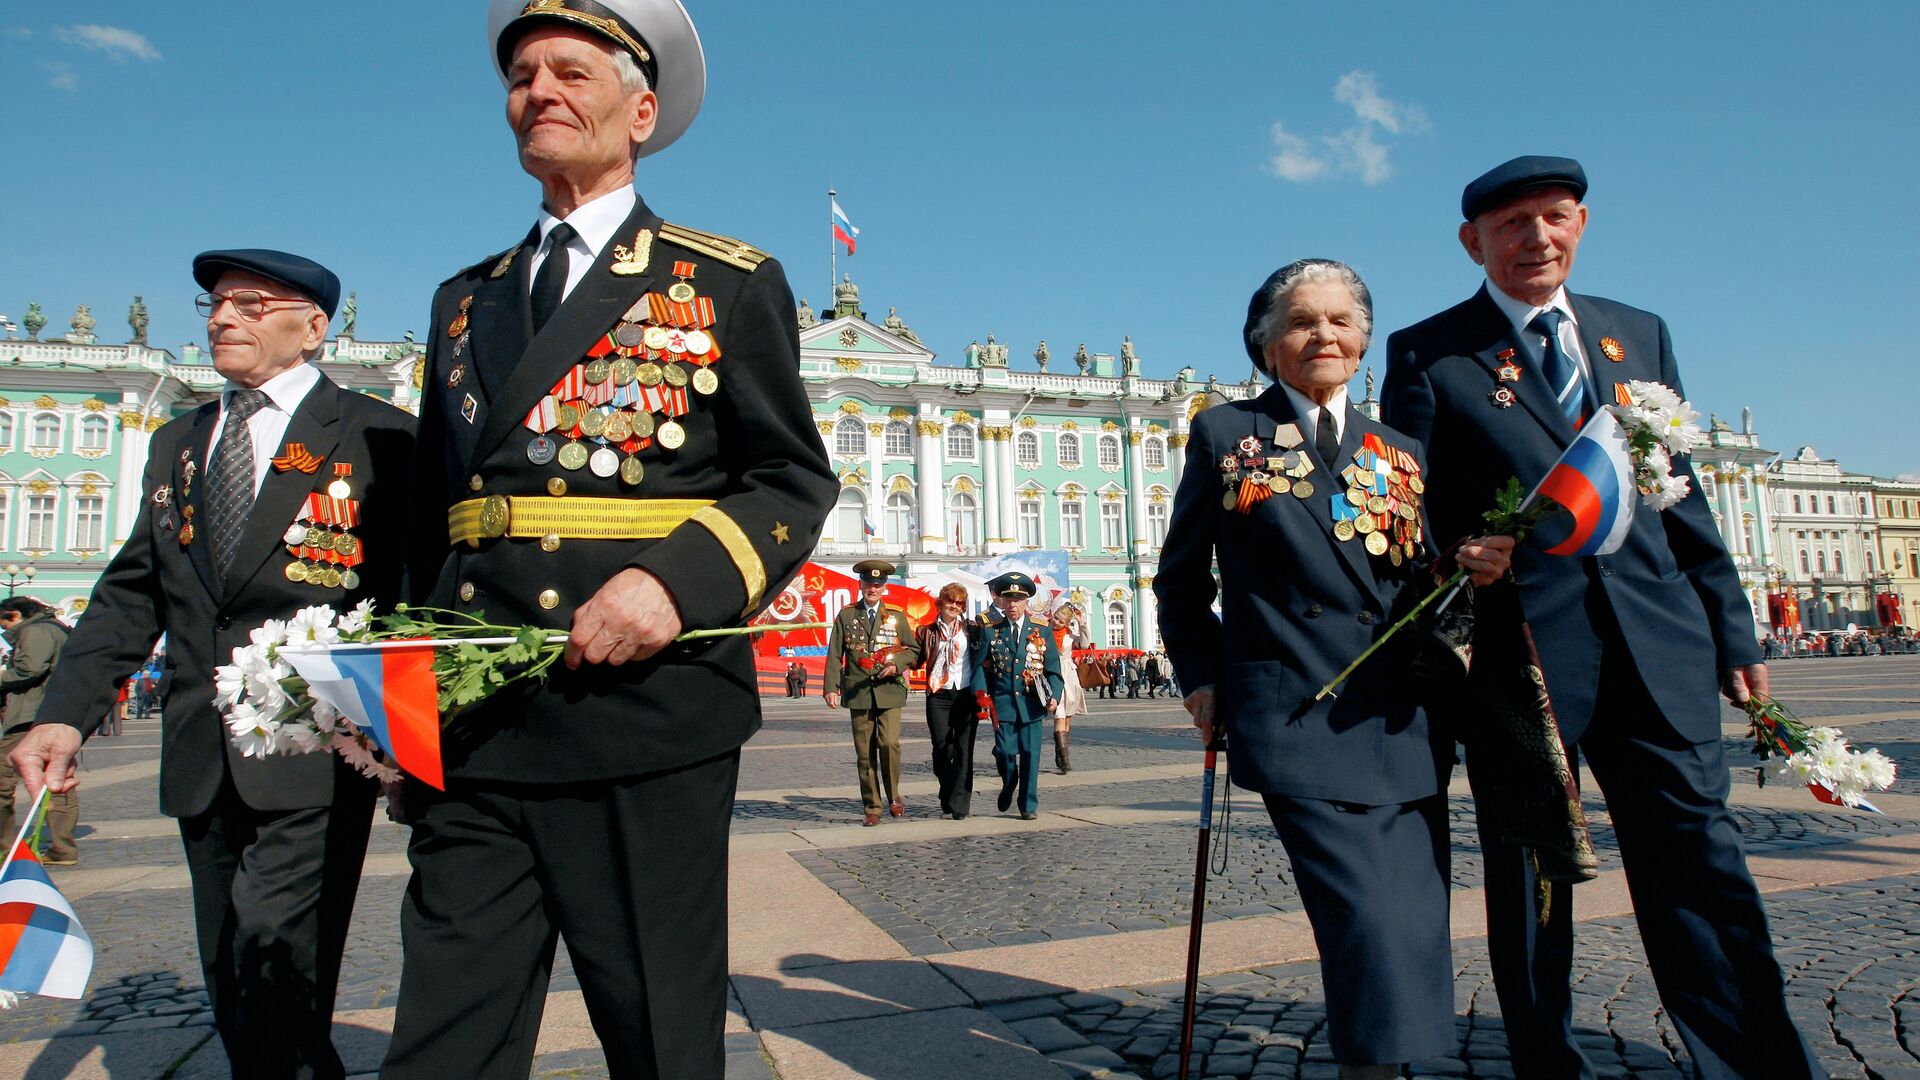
(850, 647)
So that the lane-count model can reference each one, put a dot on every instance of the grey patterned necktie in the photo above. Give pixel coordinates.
(230, 480)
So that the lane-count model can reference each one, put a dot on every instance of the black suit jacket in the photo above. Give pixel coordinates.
(1296, 605)
(752, 447)
(1671, 588)
(159, 583)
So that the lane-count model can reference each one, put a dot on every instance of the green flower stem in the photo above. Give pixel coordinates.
(735, 631)
(1444, 587)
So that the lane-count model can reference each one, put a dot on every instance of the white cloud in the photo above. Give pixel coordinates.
(115, 41)
(60, 76)
(1355, 151)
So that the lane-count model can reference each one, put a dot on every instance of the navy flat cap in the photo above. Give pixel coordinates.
(309, 278)
(1502, 182)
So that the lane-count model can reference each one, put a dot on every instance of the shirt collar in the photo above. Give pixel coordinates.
(285, 391)
(1310, 413)
(594, 221)
(1521, 314)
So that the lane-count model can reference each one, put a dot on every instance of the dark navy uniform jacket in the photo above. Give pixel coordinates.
(1671, 588)
(1001, 661)
(1296, 605)
(751, 447)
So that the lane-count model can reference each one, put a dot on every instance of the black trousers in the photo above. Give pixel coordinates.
(633, 873)
(953, 718)
(1701, 921)
(273, 892)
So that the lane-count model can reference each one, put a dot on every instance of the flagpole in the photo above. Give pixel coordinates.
(833, 249)
(32, 822)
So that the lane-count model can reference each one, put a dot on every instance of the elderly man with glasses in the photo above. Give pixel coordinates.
(274, 845)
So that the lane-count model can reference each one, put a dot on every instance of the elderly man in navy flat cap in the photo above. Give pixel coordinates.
(274, 845)
(617, 446)
(1632, 645)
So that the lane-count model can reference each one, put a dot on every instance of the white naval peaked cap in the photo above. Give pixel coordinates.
(657, 33)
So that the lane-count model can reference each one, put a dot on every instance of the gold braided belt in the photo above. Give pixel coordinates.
(568, 518)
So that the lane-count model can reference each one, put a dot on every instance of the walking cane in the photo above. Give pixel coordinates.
(1218, 744)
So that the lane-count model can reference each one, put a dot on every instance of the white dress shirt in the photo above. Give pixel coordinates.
(268, 426)
(593, 227)
(1520, 314)
(1310, 413)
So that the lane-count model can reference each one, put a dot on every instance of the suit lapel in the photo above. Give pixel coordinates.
(501, 320)
(1607, 373)
(315, 424)
(193, 496)
(1532, 390)
(589, 311)
(1277, 410)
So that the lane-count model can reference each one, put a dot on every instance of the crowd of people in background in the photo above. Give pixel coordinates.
(1883, 641)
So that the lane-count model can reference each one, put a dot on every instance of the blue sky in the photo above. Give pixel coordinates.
(1073, 172)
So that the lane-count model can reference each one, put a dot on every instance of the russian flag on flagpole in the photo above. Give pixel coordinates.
(843, 229)
(1593, 480)
(43, 948)
(389, 691)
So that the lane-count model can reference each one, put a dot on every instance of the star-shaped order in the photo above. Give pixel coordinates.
(780, 532)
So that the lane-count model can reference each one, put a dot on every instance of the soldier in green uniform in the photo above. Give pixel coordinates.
(868, 655)
(1016, 684)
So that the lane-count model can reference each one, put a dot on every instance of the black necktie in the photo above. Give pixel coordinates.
(550, 284)
(230, 491)
(1326, 437)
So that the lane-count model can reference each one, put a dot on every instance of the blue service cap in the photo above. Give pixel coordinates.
(1014, 583)
(304, 276)
(1501, 183)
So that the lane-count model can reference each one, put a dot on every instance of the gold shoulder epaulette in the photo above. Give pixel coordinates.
(733, 252)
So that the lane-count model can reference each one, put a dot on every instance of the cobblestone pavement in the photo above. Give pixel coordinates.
(1851, 956)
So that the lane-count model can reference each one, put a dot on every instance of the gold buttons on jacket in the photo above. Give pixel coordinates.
(466, 591)
(550, 542)
(556, 487)
(549, 599)
(474, 483)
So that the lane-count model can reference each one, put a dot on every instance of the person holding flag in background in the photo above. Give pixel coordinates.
(284, 491)
(1631, 642)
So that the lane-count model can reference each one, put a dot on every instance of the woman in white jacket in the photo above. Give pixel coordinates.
(1069, 633)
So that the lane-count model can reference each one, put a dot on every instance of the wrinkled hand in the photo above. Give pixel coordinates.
(1741, 683)
(985, 702)
(1199, 705)
(832, 698)
(1486, 559)
(632, 617)
(45, 759)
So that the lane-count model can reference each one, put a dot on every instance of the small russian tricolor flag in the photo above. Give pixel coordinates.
(1593, 481)
(43, 948)
(843, 229)
(388, 690)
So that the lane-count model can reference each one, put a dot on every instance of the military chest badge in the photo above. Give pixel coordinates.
(631, 261)
(1502, 397)
(321, 539)
(295, 458)
(1508, 372)
(1612, 350)
(506, 263)
(1381, 506)
(459, 324)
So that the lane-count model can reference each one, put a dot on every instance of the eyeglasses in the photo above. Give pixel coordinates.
(247, 303)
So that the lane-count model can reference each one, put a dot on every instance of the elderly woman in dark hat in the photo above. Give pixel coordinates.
(1313, 512)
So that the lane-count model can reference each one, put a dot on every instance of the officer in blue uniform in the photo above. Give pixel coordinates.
(1313, 512)
(1631, 644)
(1016, 681)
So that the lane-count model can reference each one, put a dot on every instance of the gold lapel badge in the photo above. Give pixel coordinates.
(628, 262)
(506, 263)
(1509, 372)
(1612, 349)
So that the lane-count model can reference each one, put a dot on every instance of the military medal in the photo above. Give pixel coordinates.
(675, 375)
(649, 374)
(604, 462)
(1612, 350)
(349, 578)
(629, 336)
(681, 292)
(624, 371)
(593, 424)
(628, 262)
(468, 407)
(705, 381)
(671, 435)
(1287, 436)
(1509, 372)
(541, 450)
(654, 338)
(597, 372)
(340, 489)
(1501, 397)
(346, 544)
(699, 342)
(459, 324)
(631, 471)
(572, 456)
(619, 427)
(460, 345)
(453, 377)
(642, 425)
(1376, 543)
(296, 571)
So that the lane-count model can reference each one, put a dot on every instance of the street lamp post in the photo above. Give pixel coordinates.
(17, 576)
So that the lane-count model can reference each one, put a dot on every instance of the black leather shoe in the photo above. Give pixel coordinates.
(1006, 793)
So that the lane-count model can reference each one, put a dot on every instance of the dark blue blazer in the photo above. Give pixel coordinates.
(999, 665)
(1670, 588)
(1296, 605)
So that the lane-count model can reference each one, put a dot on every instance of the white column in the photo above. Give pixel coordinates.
(1177, 452)
(1763, 520)
(877, 481)
(131, 469)
(934, 534)
(1145, 613)
(1136, 495)
(1729, 498)
(1003, 493)
(987, 497)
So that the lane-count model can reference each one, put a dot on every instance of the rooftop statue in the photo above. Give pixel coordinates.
(1181, 378)
(80, 327)
(1041, 355)
(846, 298)
(1081, 360)
(34, 320)
(137, 319)
(1714, 423)
(349, 315)
(1129, 361)
(897, 327)
(804, 315)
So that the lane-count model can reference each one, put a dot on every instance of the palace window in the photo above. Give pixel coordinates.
(6, 432)
(1820, 560)
(899, 518)
(1026, 449)
(1073, 523)
(93, 432)
(1069, 450)
(1830, 506)
(1839, 567)
(1109, 451)
(40, 520)
(46, 431)
(1029, 518)
(1153, 453)
(1804, 568)
(966, 520)
(1113, 530)
(850, 516)
(1157, 523)
(1706, 486)
(1796, 504)
(6, 516)
(850, 437)
(1863, 506)
(1117, 636)
(959, 443)
(899, 439)
(1743, 489)
(89, 523)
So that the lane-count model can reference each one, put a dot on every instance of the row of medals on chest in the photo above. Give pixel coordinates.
(324, 549)
(1381, 504)
(604, 406)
